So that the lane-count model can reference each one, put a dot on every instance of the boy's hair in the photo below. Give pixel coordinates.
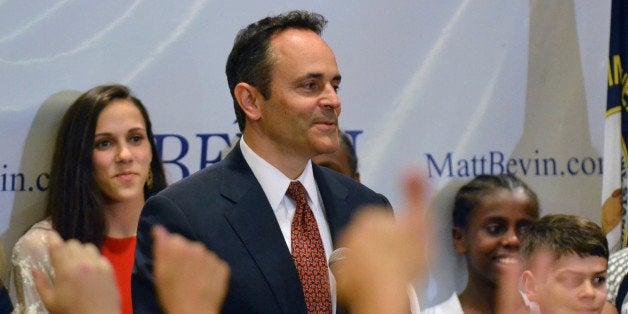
(563, 235)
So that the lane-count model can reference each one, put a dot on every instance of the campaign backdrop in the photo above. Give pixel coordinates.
(456, 88)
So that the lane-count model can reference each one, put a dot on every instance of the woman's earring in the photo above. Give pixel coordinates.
(149, 179)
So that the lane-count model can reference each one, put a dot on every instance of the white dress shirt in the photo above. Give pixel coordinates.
(275, 184)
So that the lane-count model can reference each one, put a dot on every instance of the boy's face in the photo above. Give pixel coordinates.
(570, 284)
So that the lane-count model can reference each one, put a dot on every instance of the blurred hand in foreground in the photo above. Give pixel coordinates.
(384, 254)
(84, 282)
(188, 277)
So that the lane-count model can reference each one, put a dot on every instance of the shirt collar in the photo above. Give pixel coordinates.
(274, 182)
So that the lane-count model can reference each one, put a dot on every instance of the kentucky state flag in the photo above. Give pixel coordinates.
(615, 180)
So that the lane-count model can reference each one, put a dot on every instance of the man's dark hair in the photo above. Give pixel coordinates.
(565, 234)
(250, 60)
(351, 155)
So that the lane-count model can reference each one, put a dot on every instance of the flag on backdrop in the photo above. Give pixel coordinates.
(615, 181)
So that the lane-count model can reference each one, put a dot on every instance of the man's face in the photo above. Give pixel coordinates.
(301, 116)
(571, 284)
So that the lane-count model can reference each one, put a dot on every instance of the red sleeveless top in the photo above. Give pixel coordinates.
(121, 254)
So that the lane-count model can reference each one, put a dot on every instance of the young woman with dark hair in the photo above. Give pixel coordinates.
(105, 165)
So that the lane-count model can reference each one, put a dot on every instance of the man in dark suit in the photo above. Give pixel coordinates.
(283, 79)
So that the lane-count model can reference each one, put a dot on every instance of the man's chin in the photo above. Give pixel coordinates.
(327, 149)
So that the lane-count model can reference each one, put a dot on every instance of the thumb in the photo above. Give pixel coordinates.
(44, 287)
(415, 203)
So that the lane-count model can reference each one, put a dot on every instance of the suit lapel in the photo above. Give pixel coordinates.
(254, 222)
(334, 195)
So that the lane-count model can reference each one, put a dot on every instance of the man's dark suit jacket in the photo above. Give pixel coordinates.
(225, 208)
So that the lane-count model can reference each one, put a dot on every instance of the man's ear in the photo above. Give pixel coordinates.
(529, 286)
(459, 240)
(249, 99)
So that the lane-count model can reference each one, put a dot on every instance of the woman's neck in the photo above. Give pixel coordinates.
(122, 218)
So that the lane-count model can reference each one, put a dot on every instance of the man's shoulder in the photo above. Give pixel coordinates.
(353, 188)
(332, 176)
(205, 182)
(199, 178)
(214, 175)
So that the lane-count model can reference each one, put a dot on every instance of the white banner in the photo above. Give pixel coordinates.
(456, 87)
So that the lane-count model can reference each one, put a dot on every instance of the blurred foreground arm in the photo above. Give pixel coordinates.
(84, 282)
(385, 255)
(188, 277)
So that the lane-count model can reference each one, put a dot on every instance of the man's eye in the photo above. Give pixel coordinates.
(310, 86)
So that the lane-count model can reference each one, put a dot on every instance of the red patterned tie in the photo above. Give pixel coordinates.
(308, 253)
